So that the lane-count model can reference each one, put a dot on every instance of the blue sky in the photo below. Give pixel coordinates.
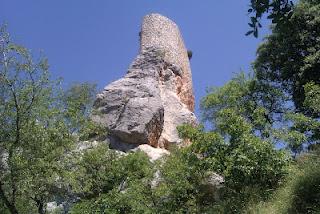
(96, 41)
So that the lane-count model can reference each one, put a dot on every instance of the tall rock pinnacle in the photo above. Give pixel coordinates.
(155, 96)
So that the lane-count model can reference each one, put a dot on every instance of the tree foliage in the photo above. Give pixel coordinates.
(278, 11)
(299, 193)
(114, 184)
(39, 126)
(239, 146)
(289, 57)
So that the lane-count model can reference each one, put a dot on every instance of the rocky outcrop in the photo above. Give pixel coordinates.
(153, 153)
(155, 96)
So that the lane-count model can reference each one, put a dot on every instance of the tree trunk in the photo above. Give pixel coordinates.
(41, 208)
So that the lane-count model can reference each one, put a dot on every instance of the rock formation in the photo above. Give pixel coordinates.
(155, 96)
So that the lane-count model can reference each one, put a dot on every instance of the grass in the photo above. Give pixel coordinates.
(300, 192)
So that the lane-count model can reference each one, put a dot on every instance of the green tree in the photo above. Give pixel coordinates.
(259, 104)
(289, 57)
(110, 183)
(288, 60)
(135, 185)
(302, 130)
(39, 127)
(240, 145)
(180, 189)
(278, 11)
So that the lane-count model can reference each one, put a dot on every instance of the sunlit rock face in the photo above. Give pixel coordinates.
(155, 96)
(160, 32)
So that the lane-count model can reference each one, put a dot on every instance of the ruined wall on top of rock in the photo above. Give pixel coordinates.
(155, 96)
(161, 32)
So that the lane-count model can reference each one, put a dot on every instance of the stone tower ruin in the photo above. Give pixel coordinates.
(160, 32)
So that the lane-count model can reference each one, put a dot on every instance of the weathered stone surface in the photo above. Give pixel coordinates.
(212, 185)
(3, 160)
(155, 96)
(161, 32)
(54, 207)
(153, 153)
(131, 107)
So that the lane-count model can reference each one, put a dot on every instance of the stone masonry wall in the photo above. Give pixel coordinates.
(160, 32)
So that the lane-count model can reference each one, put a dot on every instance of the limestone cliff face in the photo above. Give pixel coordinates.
(155, 96)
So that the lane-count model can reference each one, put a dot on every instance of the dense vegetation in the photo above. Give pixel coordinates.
(259, 154)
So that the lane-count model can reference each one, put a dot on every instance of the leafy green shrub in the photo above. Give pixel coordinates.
(252, 168)
(178, 191)
(118, 185)
(300, 193)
